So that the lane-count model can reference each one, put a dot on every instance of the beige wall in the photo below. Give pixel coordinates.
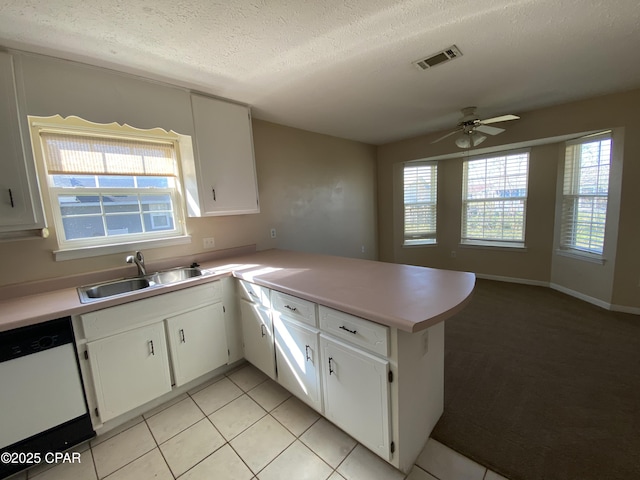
(318, 191)
(614, 283)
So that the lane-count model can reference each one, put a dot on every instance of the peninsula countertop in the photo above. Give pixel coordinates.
(410, 298)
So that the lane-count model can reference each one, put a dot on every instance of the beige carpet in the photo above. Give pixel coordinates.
(542, 386)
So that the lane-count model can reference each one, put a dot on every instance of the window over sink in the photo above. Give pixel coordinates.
(109, 186)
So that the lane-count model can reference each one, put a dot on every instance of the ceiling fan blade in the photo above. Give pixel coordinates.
(488, 130)
(447, 135)
(502, 118)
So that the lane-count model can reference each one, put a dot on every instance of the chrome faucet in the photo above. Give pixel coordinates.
(138, 259)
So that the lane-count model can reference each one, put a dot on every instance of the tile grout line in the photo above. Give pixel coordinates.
(269, 413)
(158, 445)
(227, 442)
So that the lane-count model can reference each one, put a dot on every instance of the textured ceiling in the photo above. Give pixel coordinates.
(344, 67)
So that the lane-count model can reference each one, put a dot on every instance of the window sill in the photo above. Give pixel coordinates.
(583, 256)
(495, 246)
(95, 251)
(424, 244)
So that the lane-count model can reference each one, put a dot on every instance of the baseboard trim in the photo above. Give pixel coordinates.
(624, 309)
(524, 281)
(582, 296)
(565, 290)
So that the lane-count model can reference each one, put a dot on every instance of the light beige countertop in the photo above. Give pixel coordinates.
(407, 297)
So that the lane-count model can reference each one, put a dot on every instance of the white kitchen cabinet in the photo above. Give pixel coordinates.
(257, 335)
(197, 342)
(356, 394)
(125, 357)
(20, 206)
(223, 179)
(298, 359)
(129, 369)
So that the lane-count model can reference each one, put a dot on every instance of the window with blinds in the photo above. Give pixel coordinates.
(585, 194)
(494, 200)
(420, 203)
(109, 187)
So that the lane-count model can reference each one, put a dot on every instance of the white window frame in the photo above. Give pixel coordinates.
(412, 235)
(115, 243)
(573, 175)
(519, 201)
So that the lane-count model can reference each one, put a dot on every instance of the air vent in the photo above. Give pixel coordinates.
(438, 58)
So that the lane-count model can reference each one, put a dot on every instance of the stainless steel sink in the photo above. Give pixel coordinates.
(91, 293)
(109, 289)
(175, 275)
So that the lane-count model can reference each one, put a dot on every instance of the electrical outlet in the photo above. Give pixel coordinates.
(273, 233)
(362, 249)
(453, 254)
(425, 342)
(208, 243)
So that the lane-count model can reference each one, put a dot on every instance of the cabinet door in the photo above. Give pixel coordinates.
(224, 156)
(197, 342)
(257, 334)
(16, 207)
(129, 369)
(297, 359)
(356, 394)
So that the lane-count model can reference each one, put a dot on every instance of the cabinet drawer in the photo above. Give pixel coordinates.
(112, 320)
(254, 293)
(295, 308)
(369, 335)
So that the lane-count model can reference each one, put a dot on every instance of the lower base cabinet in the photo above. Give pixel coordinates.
(129, 369)
(257, 335)
(356, 394)
(134, 353)
(297, 358)
(197, 342)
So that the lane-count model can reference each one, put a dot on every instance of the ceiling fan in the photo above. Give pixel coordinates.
(472, 131)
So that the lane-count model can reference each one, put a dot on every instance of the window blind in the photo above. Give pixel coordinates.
(585, 193)
(494, 199)
(420, 203)
(93, 155)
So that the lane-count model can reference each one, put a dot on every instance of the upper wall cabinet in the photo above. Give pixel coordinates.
(20, 207)
(223, 179)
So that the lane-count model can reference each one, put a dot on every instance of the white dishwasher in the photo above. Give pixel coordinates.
(42, 403)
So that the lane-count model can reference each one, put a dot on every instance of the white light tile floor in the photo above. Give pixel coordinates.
(244, 426)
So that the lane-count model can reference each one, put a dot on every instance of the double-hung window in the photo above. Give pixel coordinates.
(109, 185)
(494, 200)
(585, 194)
(420, 202)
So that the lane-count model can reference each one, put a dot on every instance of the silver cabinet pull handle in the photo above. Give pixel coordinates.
(331, 370)
(342, 327)
(182, 336)
(213, 190)
(306, 350)
(293, 309)
(11, 198)
(153, 352)
(262, 329)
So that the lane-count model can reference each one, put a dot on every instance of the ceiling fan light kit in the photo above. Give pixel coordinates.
(469, 140)
(472, 131)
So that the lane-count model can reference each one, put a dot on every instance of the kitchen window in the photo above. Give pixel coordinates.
(585, 194)
(109, 185)
(420, 203)
(494, 200)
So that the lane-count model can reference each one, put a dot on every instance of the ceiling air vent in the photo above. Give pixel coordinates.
(438, 58)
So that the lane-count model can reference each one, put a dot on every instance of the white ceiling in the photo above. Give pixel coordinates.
(343, 67)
